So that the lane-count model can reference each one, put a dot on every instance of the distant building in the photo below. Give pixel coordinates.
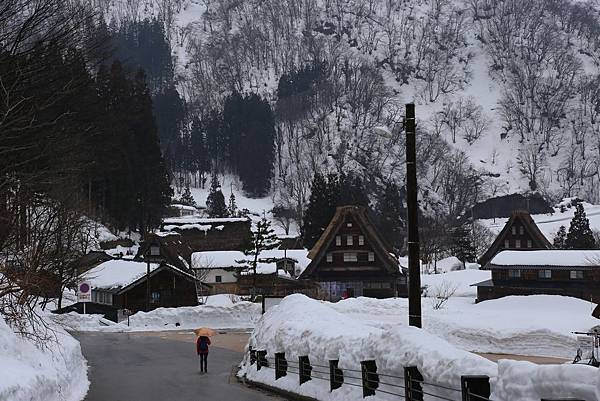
(574, 273)
(519, 233)
(121, 284)
(351, 259)
(179, 210)
(227, 272)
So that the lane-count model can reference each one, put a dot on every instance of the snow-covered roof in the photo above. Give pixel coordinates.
(120, 273)
(231, 259)
(552, 257)
(184, 207)
(203, 220)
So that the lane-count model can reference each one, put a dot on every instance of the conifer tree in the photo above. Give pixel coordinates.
(462, 245)
(580, 235)
(263, 239)
(232, 206)
(215, 203)
(560, 238)
(390, 215)
(320, 210)
(187, 198)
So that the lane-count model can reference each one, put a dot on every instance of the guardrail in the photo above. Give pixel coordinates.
(410, 387)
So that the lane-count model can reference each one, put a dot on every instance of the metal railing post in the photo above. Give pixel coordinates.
(336, 375)
(370, 378)
(261, 359)
(280, 365)
(305, 369)
(413, 391)
(478, 386)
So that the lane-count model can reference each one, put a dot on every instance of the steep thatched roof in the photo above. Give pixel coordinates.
(360, 216)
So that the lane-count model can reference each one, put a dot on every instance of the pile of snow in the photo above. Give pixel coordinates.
(56, 373)
(460, 281)
(539, 325)
(241, 315)
(74, 321)
(300, 326)
(226, 300)
(303, 326)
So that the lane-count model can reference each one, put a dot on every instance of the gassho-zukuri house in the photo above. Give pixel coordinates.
(351, 259)
(522, 262)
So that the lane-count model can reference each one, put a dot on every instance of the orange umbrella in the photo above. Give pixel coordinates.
(204, 332)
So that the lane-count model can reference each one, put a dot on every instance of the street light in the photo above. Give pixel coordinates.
(152, 255)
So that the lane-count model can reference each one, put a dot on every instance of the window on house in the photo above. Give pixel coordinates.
(506, 243)
(155, 297)
(545, 274)
(349, 240)
(338, 240)
(329, 257)
(514, 230)
(218, 279)
(521, 230)
(517, 243)
(371, 257)
(576, 274)
(514, 273)
(361, 240)
(348, 224)
(529, 244)
(350, 257)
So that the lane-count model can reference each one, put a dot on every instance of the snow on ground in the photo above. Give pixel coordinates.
(538, 325)
(217, 314)
(459, 280)
(324, 332)
(56, 373)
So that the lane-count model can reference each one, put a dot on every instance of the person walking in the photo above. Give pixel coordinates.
(202, 344)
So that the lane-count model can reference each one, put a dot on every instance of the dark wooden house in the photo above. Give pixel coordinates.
(121, 284)
(351, 259)
(519, 233)
(574, 273)
(211, 234)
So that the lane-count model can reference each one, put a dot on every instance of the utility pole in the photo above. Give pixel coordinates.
(147, 285)
(414, 274)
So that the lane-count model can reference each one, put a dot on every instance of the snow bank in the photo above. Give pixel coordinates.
(74, 321)
(525, 381)
(242, 315)
(323, 333)
(461, 280)
(58, 373)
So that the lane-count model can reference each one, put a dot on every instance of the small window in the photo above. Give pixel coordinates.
(521, 230)
(576, 274)
(371, 257)
(338, 240)
(155, 297)
(361, 240)
(506, 244)
(514, 273)
(329, 257)
(348, 224)
(350, 257)
(218, 279)
(514, 230)
(545, 274)
(529, 244)
(517, 243)
(349, 240)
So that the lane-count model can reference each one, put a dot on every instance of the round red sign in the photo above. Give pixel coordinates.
(84, 287)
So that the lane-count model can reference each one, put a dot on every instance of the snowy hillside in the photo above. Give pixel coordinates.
(505, 89)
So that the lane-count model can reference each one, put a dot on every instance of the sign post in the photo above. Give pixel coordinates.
(84, 293)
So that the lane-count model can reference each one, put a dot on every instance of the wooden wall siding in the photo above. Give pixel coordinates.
(557, 275)
(174, 291)
(588, 294)
(231, 237)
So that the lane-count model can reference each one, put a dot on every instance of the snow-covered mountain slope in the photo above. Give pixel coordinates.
(506, 90)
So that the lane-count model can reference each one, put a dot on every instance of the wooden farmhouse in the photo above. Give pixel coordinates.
(120, 284)
(519, 233)
(351, 259)
(574, 273)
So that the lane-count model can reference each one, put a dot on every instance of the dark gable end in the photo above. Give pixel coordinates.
(517, 219)
(359, 215)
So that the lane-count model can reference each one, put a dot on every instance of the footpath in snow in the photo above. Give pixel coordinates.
(322, 332)
(57, 372)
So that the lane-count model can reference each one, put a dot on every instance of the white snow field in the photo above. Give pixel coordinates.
(219, 312)
(322, 332)
(28, 373)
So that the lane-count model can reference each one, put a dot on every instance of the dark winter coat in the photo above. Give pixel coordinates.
(202, 344)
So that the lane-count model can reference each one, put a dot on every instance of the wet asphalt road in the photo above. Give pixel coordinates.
(133, 367)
